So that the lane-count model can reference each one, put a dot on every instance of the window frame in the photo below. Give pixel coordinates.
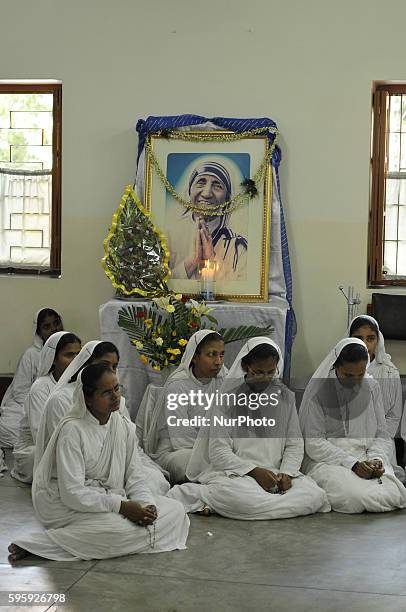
(380, 92)
(54, 88)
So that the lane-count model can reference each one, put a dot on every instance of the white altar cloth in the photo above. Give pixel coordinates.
(135, 376)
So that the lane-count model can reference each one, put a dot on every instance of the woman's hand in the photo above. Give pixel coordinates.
(377, 466)
(206, 241)
(191, 263)
(284, 481)
(265, 478)
(363, 470)
(135, 513)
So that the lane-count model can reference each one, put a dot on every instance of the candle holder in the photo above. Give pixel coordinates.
(207, 273)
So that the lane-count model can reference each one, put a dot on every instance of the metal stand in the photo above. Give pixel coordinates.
(352, 303)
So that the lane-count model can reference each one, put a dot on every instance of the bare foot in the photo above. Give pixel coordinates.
(16, 553)
(205, 511)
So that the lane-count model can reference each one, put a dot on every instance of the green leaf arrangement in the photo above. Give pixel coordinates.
(161, 331)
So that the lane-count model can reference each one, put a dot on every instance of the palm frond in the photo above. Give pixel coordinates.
(243, 332)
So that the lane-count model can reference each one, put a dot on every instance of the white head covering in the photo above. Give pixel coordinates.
(37, 340)
(236, 373)
(323, 372)
(200, 461)
(75, 365)
(182, 372)
(47, 355)
(381, 356)
(44, 469)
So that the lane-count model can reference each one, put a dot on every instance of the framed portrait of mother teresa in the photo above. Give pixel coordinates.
(202, 195)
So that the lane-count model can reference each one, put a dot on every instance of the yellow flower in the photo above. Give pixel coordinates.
(173, 351)
(147, 322)
(200, 309)
(178, 296)
(170, 308)
(174, 333)
(182, 342)
(156, 367)
(144, 359)
(161, 302)
(138, 345)
(159, 341)
(158, 329)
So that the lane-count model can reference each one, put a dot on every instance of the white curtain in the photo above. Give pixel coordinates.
(25, 218)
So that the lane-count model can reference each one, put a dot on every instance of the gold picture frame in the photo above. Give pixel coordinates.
(241, 238)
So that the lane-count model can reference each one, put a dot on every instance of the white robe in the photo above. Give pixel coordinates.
(386, 373)
(175, 444)
(171, 447)
(24, 449)
(12, 406)
(93, 469)
(391, 388)
(59, 404)
(335, 441)
(229, 491)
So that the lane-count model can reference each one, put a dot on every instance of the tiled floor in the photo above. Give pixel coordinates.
(327, 562)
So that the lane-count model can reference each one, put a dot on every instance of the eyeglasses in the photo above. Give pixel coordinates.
(261, 374)
(112, 393)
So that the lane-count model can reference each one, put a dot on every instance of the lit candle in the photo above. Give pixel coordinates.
(207, 279)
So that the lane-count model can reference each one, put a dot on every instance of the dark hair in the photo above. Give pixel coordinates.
(360, 322)
(99, 350)
(102, 349)
(44, 313)
(259, 353)
(351, 353)
(66, 339)
(213, 337)
(91, 375)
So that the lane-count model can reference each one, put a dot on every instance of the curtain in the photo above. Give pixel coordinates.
(25, 218)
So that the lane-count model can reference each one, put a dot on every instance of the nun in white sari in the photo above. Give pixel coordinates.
(49, 373)
(198, 376)
(347, 445)
(89, 489)
(249, 471)
(382, 369)
(46, 322)
(60, 401)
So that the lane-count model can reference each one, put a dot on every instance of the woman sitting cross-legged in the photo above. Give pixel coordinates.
(249, 459)
(60, 401)
(347, 445)
(198, 376)
(89, 489)
(57, 353)
(46, 322)
(382, 369)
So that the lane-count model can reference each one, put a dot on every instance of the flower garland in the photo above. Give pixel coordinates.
(136, 256)
(249, 185)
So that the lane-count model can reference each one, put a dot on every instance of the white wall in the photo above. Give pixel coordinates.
(308, 64)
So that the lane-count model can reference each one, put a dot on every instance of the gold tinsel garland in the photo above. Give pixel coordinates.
(239, 199)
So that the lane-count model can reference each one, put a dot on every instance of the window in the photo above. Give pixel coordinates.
(30, 177)
(387, 231)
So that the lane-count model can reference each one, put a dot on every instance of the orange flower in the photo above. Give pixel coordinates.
(144, 359)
